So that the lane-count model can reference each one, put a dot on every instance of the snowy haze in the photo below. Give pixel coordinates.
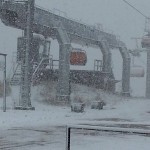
(45, 127)
(114, 15)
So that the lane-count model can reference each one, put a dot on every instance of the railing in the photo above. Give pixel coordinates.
(128, 131)
(98, 65)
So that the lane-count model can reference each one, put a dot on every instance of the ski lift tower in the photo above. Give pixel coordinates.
(146, 44)
(26, 67)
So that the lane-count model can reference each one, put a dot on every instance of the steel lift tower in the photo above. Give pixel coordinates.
(145, 44)
(67, 31)
(26, 62)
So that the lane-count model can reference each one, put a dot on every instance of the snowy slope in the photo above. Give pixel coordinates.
(29, 128)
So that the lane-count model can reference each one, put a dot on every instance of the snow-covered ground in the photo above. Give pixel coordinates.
(45, 127)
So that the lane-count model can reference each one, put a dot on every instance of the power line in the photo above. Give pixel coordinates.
(135, 9)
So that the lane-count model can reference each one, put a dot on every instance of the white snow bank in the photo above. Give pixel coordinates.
(117, 109)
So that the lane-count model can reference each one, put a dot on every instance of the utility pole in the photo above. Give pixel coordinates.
(148, 75)
(26, 64)
(146, 44)
(4, 83)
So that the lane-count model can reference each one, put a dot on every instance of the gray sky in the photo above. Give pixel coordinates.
(114, 15)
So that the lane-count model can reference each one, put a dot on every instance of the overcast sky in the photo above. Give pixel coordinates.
(114, 15)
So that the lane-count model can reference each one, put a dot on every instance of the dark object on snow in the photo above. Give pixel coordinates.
(98, 105)
(77, 107)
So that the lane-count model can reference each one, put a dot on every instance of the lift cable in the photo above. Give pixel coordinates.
(135, 9)
(143, 16)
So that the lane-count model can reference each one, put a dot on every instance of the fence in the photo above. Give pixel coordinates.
(132, 131)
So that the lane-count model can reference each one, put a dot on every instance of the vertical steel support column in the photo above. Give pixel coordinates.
(1, 1)
(25, 101)
(4, 82)
(148, 75)
(45, 47)
(4, 103)
(106, 57)
(106, 69)
(63, 92)
(125, 71)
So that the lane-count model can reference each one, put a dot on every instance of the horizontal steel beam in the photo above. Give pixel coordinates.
(45, 22)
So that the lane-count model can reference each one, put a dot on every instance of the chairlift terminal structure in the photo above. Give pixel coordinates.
(66, 31)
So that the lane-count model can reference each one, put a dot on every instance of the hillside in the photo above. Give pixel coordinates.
(45, 127)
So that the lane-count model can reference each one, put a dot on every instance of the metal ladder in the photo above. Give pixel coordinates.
(16, 77)
(37, 70)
